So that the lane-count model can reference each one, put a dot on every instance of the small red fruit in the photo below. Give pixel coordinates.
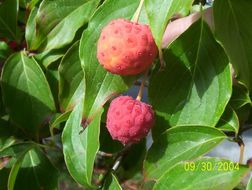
(126, 48)
(129, 120)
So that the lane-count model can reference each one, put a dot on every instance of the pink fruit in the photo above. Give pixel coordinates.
(129, 120)
(126, 48)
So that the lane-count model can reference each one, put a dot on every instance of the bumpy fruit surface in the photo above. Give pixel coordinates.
(126, 48)
(129, 120)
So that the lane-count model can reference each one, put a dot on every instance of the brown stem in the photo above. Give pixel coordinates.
(117, 161)
(161, 58)
(138, 11)
(241, 144)
(141, 89)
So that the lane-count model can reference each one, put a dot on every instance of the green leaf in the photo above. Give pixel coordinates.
(15, 151)
(30, 29)
(61, 118)
(33, 167)
(107, 144)
(26, 93)
(160, 12)
(241, 103)
(71, 85)
(56, 28)
(208, 174)
(249, 186)
(52, 76)
(6, 138)
(28, 4)
(229, 121)
(179, 144)
(131, 168)
(100, 84)
(111, 183)
(8, 19)
(236, 18)
(240, 97)
(14, 171)
(195, 86)
(4, 173)
(46, 58)
(5, 50)
(80, 149)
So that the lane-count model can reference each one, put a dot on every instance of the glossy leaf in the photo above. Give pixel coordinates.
(195, 86)
(80, 148)
(59, 119)
(111, 183)
(26, 92)
(208, 174)
(33, 167)
(100, 84)
(14, 171)
(8, 19)
(16, 149)
(48, 57)
(229, 121)
(249, 186)
(72, 81)
(14, 152)
(29, 4)
(179, 144)
(6, 137)
(5, 51)
(52, 76)
(241, 103)
(30, 29)
(56, 28)
(236, 18)
(240, 97)
(160, 12)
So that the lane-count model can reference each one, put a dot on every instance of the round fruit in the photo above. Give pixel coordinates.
(126, 48)
(129, 120)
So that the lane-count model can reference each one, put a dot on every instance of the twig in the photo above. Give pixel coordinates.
(118, 158)
(138, 83)
(241, 145)
(161, 59)
(241, 152)
(105, 154)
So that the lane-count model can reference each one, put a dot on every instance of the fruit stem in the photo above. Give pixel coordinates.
(138, 11)
(162, 61)
(141, 89)
(105, 154)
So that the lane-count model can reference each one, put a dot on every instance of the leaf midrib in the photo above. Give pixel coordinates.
(184, 152)
(33, 168)
(8, 28)
(239, 32)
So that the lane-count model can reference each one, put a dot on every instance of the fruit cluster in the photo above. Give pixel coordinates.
(127, 48)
